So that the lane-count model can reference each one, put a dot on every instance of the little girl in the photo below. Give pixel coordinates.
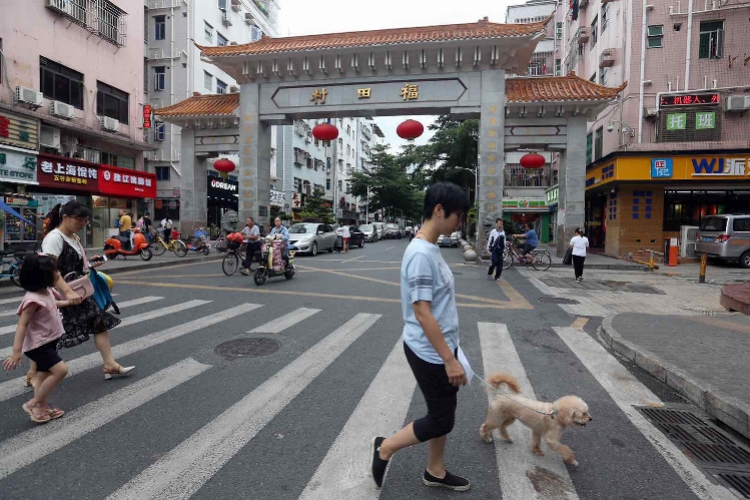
(39, 328)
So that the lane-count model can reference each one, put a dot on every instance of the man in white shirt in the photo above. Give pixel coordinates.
(496, 248)
(252, 243)
(346, 235)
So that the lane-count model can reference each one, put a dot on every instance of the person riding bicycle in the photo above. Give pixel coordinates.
(531, 240)
(252, 243)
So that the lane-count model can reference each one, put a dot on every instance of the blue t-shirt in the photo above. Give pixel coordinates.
(531, 238)
(426, 276)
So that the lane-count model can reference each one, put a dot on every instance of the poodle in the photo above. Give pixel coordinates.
(569, 410)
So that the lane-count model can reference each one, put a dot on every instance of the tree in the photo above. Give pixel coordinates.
(317, 208)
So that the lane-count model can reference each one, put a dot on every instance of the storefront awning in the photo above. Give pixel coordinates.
(5, 207)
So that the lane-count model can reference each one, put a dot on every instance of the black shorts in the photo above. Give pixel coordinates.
(45, 356)
(527, 249)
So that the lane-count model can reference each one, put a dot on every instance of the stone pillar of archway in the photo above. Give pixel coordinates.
(193, 190)
(572, 202)
(254, 170)
(491, 153)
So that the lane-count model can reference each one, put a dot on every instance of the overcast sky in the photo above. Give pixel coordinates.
(309, 17)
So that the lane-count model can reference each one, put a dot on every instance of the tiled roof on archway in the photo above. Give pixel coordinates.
(203, 105)
(482, 29)
(557, 89)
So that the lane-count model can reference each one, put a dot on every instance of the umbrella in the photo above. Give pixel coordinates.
(11, 211)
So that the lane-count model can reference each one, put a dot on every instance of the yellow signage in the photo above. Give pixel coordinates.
(18, 131)
(410, 92)
(319, 96)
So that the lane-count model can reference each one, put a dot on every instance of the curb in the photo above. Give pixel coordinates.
(601, 267)
(716, 403)
(157, 265)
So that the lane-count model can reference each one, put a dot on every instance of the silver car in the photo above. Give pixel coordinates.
(725, 237)
(310, 237)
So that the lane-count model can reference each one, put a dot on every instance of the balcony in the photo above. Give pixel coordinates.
(517, 176)
(583, 34)
(100, 17)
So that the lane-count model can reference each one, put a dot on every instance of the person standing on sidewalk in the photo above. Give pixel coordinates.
(496, 247)
(428, 303)
(579, 243)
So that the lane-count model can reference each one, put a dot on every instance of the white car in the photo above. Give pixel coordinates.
(312, 237)
(448, 241)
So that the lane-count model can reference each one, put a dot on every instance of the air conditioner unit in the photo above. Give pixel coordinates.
(110, 124)
(29, 96)
(62, 110)
(49, 137)
(607, 58)
(250, 18)
(233, 89)
(236, 4)
(232, 42)
(584, 33)
(59, 5)
(225, 19)
(737, 103)
(650, 113)
(688, 235)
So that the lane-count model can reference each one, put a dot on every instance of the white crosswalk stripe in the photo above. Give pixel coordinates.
(288, 320)
(515, 462)
(343, 474)
(15, 388)
(40, 441)
(185, 469)
(627, 391)
(128, 303)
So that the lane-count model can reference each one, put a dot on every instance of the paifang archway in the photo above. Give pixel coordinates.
(459, 70)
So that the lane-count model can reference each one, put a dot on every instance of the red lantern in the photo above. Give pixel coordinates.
(410, 129)
(224, 165)
(325, 132)
(532, 161)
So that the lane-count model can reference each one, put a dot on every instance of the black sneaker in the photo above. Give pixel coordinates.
(378, 465)
(450, 481)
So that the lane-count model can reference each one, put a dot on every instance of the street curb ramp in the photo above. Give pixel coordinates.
(716, 403)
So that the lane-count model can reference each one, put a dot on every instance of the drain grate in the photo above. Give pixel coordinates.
(557, 300)
(247, 348)
(712, 449)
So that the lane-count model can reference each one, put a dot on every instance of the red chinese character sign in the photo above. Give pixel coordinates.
(147, 112)
(126, 183)
(698, 99)
(67, 173)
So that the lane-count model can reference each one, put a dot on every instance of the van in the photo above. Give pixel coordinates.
(725, 237)
(380, 228)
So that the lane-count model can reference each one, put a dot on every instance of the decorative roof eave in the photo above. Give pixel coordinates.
(570, 89)
(217, 107)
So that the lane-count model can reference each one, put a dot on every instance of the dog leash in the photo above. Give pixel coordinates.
(548, 414)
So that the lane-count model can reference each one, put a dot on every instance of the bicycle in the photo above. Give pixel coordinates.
(233, 258)
(541, 259)
(12, 268)
(160, 246)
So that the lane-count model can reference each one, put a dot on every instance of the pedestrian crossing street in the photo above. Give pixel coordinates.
(185, 425)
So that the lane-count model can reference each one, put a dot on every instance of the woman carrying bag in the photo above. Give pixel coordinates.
(578, 245)
(86, 319)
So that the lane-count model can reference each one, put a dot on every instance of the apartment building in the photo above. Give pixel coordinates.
(71, 113)
(174, 71)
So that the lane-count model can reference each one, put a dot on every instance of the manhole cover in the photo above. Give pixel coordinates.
(558, 300)
(712, 449)
(247, 348)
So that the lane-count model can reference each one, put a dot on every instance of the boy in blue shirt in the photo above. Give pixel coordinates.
(428, 303)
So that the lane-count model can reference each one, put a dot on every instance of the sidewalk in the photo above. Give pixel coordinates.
(593, 261)
(704, 358)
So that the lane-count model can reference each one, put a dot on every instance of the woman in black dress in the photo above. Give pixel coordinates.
(86, 319)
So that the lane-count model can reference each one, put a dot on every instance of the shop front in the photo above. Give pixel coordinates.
(518, 213)
(552, 198)
(640, 200)
(119, 189)
(223, 200)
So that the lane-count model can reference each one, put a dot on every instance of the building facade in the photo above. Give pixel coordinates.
(673, 148)
(71, 113)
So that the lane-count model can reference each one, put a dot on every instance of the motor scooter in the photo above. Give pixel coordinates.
(271, 262)
(120, 245)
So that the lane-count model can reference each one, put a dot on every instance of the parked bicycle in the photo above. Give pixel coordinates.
(199, 243)
(159, 246)
(540, 260)
(10, 267)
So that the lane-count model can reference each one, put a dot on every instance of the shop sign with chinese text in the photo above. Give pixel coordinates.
(695, 99)
(126, 183)
(17, 167)
(18, 131)
(68, 173)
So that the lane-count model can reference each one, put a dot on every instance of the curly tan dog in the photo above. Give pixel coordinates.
(571, 410)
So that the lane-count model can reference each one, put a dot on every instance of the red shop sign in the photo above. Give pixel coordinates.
(67, 173)
(126, 183)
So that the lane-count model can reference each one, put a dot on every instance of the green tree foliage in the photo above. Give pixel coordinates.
(317, 208)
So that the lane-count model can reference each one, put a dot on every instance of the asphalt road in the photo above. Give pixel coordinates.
(192, 422)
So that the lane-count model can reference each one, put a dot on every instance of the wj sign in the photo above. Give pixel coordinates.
(706, 167)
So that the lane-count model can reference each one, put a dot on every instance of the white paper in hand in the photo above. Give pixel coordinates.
(465, 363)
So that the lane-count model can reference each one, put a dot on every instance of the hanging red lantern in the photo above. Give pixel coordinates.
(410, 129)
(533, 161)
(224, 166)
(325, 132)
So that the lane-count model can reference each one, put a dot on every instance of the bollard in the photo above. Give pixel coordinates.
(704, 261)
(651, 260)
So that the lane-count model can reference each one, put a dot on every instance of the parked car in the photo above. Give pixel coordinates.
(393, 232)
(356, 237)
(725, 237)
(380, 228)
(371, 234)
(311, 237)
(448, 241)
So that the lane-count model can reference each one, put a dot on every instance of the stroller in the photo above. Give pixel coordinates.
(338, 246)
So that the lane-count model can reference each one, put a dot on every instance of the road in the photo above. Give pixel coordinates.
(200, 419)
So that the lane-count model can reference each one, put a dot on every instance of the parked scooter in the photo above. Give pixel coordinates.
(271, 262)
(120, 245)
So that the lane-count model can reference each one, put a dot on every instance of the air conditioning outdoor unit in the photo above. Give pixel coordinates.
(650, 113)
(236, 4)
(110, 124)
(607, 58)
(688, 235)
(225, 19)
(29, 96)
(584, 33)
(233, 89)
(62, 110)
(249, 18)
(737, 103)
(49, 137)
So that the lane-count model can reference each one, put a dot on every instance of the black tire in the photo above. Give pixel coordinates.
(146, 253)
(230, 264)
(314, 249)
(16, 278)
(157, 248)
(362, 243)
(507, 260)
(180, 248)
(542, 261)
(745, 260)
(289, 274)
(260, 276)
(206, 251)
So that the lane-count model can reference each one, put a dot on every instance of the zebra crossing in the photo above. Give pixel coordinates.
(183, 469)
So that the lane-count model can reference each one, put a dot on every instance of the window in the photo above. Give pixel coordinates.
(112, 102)
(589, 148)
(160, 27)
(255, 34)
(603, 76)
(349, 130)
(599, 143)
(223, 6)
(741, 224)
(159, 132)
(162, 173)
(208, 32)
(220, 40)
(221, 87)
(108, 159)
(159, 77)
(328, 184)
(711, 44)
(61, 83)
(341, 143)
(348, 150)
(605, 16)
(208, 81)
(558, 31)
(594, 32)
(558, 67)
(655, 37)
